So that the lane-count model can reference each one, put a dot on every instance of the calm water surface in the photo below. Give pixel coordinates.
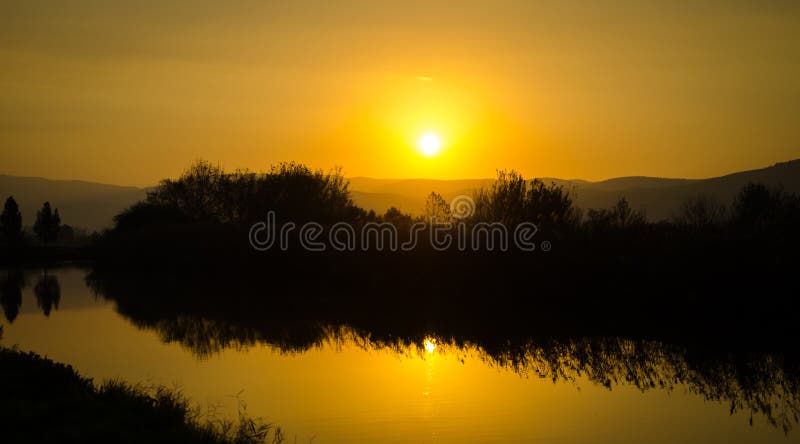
(347, 390)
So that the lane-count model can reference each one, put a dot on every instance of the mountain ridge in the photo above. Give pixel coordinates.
(92, 205)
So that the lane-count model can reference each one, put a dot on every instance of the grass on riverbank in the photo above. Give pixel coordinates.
(45, 401)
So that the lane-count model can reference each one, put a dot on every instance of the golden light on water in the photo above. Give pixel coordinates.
(429, 144)
(430, 345)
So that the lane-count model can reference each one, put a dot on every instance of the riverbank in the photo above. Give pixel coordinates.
(46, 401)
(44, 256)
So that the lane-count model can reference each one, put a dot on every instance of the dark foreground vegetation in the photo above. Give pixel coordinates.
(44, 401)
(707, 299)
(721, 273)
(715, 272)
(210, 210)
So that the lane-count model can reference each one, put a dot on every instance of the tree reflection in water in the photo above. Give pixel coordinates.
(752, 381)
(11, 284)
(48, 293)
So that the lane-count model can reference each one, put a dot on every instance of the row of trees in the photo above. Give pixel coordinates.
(511, 199)
(206, 193)
(46, 227)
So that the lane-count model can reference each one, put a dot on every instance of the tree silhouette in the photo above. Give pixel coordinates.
(48, 293)
(511, 200)
(11, 293)
(47, 224)
(624, 216)
(437, 207)
(11, 222)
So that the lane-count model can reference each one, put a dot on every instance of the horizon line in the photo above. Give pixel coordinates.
(428, 178)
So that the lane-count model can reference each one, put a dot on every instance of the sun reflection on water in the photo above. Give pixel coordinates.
(430, 345)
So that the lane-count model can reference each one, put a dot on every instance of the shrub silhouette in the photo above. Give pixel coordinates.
(146, 213)
(701, 212)
(297, 193)
(504, 201)
(621, 216)
(197, 194)
(512, 200)
(399, 219)
(550, 206)
(759, 209)
(206, 193)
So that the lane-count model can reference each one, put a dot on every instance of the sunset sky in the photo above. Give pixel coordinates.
(131, 92)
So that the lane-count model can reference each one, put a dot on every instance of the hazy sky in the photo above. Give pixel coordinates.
(130, 93)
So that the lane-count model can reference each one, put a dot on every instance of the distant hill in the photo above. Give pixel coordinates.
(92, 205)
(408, 195)
(81, 204)
(659, 197)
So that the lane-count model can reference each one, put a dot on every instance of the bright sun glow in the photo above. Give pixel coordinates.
(429, 144)
(430, 345)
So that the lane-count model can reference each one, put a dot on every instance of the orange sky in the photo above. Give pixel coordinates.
(131, 92)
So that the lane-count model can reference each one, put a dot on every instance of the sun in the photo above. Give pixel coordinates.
(429, 144)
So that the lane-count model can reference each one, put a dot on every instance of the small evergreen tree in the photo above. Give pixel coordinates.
(47, 224)
(11, 222)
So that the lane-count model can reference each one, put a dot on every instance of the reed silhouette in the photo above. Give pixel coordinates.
(49, 402)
